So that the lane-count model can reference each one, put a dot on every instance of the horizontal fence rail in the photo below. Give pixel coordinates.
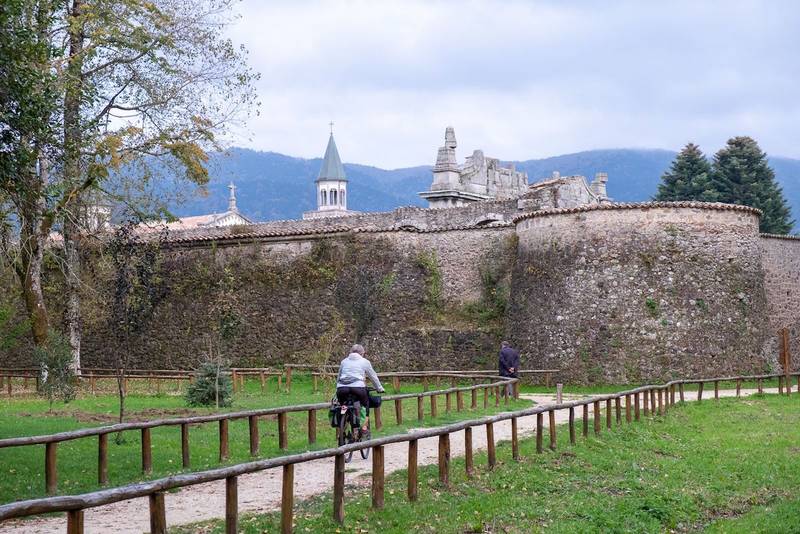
(497, 388)
(656, 399)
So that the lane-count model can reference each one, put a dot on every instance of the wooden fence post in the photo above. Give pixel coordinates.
(514, 439)
(50, 469)
(739, 387)
(459, 401)
(468, 460)
(433, 406)
(289, 379)
(377, 477)
(75, 522)
(490, 450)
(147, 452)
(378, 420)
(485, 397)
(653, 402)
(618, 409)
(338, 489)
(680, 391)
(413, 481)
(185, 445)
(254, 441)
(572, 425)
(223, 440)
(420, 408)
(627, 408)
(539, 429)
(597, 417)
(700, 391)
(102, 459)
(396, 383)
(447, 402)
(608, 414)
(636, 406)
(158, 513)
(474, 404)
(497, 396)
(398, 411)
(312, 426)
(760, 386)
(234, 381)
(287, 499)
(232, 505)
(586, 420)
(444, 459)
(551, 419)
(283, 431)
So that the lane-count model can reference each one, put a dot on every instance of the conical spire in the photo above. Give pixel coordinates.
(332, 168)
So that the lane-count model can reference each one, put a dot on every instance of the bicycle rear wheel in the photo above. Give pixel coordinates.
(346, 434)
(366, 435)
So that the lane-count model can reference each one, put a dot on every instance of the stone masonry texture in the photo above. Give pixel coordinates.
(608, 293)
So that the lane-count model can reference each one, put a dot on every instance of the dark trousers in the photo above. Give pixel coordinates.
(345, 393)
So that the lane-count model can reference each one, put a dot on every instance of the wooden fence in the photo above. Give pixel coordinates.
(658, 397)
(157, 377)
(51, 441)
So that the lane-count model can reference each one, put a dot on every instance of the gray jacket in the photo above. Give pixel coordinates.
(353, 372)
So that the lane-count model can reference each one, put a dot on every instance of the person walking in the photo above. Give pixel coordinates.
(509, 363)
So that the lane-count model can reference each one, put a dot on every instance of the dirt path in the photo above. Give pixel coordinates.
(261, 492)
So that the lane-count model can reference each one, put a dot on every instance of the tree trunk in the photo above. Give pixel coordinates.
(72, 313)
(33, 236)
(72, 175)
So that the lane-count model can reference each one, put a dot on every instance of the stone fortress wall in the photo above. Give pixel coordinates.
(627, 293)
(607, 292)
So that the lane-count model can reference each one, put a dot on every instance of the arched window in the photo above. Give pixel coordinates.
(341, 197)
(333, 197)
(323, 198)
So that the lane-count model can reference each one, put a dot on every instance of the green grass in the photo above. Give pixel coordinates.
(22, 468)
(723, 466)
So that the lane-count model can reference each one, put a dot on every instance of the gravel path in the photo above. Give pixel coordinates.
(261, 492)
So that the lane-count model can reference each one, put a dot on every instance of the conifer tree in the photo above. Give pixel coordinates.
(689, 178)
(741, 175)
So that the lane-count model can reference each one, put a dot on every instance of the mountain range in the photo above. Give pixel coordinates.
(275, 186)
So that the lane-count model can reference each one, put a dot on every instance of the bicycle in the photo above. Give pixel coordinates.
(349, 429)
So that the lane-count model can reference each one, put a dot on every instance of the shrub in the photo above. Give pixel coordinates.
(58, 381)
(212, 387)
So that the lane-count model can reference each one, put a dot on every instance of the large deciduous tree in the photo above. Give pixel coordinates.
(90, 87)
(688, 178)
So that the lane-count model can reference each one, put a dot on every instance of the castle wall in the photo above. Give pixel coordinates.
(615, 293)
(296, 298)
(640, 292)
(780, 258)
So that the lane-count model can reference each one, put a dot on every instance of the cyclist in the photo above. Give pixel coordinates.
(351, 382)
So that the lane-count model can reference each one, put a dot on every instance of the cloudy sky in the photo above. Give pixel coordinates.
(522, 79)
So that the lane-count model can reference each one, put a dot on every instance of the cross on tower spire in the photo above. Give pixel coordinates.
(331, 125)
(232, 198)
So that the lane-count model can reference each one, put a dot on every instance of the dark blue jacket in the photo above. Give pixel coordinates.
(509, 358)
